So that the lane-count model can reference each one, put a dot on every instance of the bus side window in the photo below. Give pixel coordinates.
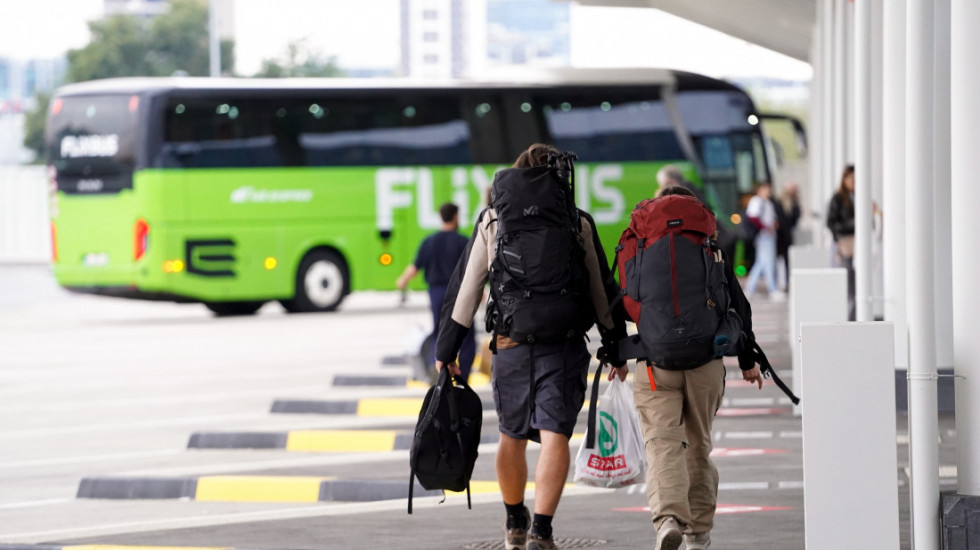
(397, 130)
(611, 127)
(484, 114)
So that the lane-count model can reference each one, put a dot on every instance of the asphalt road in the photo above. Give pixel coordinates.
(104, 396)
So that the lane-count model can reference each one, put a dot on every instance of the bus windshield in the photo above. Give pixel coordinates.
(91, 142)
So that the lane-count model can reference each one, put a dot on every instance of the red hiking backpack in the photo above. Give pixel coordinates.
(673, 284)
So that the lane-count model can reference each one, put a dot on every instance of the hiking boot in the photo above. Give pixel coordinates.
(536, 542)
(668, 535)
(698, 541)
(515, 538)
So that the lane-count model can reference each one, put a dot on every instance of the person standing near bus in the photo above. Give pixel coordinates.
(437, 256)
(538, 383)
(761, 212)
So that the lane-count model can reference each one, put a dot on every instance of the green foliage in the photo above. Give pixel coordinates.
(34, 125)
(125, 45)
(300, 61)
(175, 42)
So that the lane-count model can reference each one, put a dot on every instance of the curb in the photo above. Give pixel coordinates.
(15, 546)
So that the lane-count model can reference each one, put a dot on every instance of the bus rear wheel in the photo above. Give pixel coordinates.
(322, 282)
(230, 309)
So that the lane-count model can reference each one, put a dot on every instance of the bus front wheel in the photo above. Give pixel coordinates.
(229, 309)
(322, 281)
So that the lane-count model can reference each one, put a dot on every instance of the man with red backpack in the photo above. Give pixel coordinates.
(689, 311)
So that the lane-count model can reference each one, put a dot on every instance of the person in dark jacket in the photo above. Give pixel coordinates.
(538, 388)
(840, 221)
(788, 215)
(677, 410)
(437, 257)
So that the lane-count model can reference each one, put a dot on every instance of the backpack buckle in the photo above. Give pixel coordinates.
(527, 294)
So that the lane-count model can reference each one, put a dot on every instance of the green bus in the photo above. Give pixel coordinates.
(235, 192)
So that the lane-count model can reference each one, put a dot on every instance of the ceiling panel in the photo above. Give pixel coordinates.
(785, 26)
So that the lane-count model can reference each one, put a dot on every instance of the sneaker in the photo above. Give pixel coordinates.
(535, 542)
(668, 535)
(515, 538)
(698, 541)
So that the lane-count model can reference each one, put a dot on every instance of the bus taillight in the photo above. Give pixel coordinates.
(141, 238)
(54, 243)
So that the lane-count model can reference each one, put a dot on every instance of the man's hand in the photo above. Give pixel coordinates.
(621, 372)
(753, 375)
(454, 368)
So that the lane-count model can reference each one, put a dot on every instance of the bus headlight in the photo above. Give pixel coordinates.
(270, 263)
(385, 259)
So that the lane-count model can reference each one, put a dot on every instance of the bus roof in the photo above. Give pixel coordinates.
(524, 78)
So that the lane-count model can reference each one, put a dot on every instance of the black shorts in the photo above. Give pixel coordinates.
(560, 379)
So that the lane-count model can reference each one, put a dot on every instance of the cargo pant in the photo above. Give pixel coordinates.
(676, 419)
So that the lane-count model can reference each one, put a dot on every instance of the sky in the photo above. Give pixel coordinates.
(364, 34)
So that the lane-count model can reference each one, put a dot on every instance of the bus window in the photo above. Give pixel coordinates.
(91, 142)
(613, 126)
(385, 131)
(223, 132)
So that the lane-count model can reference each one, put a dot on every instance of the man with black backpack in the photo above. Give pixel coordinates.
(547, 274)
(689, 311)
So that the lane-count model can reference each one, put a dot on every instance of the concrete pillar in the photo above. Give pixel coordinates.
(965, 129)
(849, 452)
(877, 113)
(816, 296)
(923, 415)
(214, 40)
(862, 165)
(893, 174)
(815, 130)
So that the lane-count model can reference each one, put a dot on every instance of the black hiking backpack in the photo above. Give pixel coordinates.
(447, 436)
(674, 285)
(538, 279)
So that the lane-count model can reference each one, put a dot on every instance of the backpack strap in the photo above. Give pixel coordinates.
(593, 409)
(411, 490)
(767, 371)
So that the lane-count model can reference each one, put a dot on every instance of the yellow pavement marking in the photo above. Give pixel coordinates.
(391, 406)
(259, 488)
(419, 384)
(341, 440)
(126, 547)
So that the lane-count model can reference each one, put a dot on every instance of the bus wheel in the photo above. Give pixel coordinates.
(322, 282)
(229, 309)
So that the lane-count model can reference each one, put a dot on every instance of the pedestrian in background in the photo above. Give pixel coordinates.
(538, 384)
(840, 221)
(761, 212)
(787, 215)
(437, 257)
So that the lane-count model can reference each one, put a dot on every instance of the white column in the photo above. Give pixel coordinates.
(840, 89)
(214, 41)
(862, 159)
(923, 415)
(815, 132)
(877, 62)
(966, 225)
(893, 174)
(943, 189)
(822, 189)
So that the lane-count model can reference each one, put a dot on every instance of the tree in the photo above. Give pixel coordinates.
(175, 42)
(301, 61)
(34, 124)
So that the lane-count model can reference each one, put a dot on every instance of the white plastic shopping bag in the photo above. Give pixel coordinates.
(616, 458)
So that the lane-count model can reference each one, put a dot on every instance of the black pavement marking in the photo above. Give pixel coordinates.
(314, 407)
(246, 440)
(393, 360)
(137, 488)
(345, 380)
(369, 491)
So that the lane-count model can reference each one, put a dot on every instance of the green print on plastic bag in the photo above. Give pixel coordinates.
(608, 434)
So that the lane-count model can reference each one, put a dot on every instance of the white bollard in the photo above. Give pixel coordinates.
(816, 296)
(808, 256)
(849, 451)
